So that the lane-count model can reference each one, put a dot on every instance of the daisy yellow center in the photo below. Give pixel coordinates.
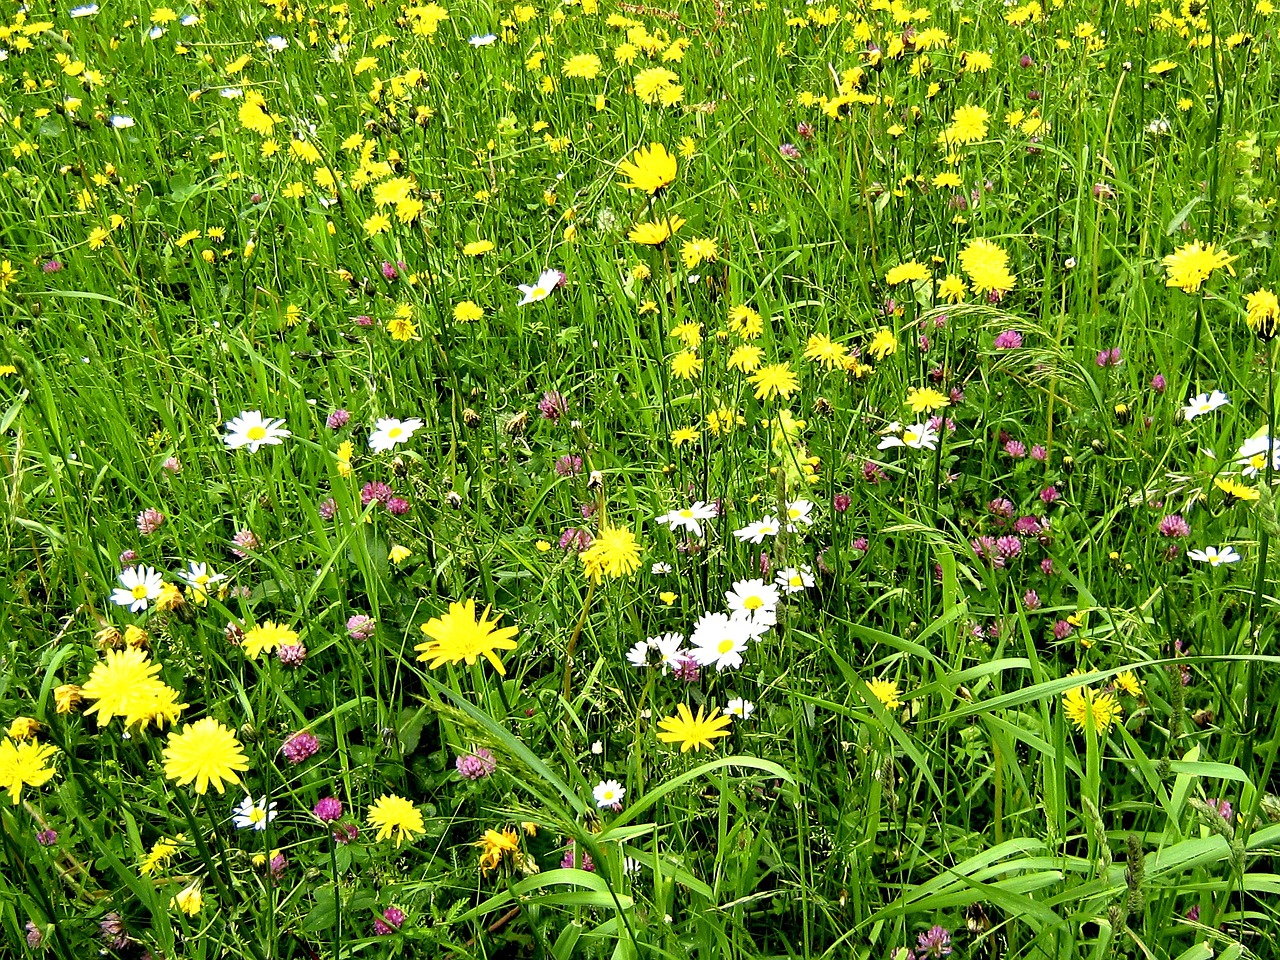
(795, 581)
(256, 432)
(257, 815)
(911, 437)
(538, 292)
(792, 513)
(686, 514)
(752, 603)
(607, 795)
(202, 579)
(725, 645)
(140, 592)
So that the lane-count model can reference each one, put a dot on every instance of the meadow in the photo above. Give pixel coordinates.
(591, 479)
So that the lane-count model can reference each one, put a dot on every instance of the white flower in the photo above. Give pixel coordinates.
(597, 748)
(389, 433)
(719, 639)
(540, 290)
(608, 793)
(638, 656)
(138, 586)
(86, 10)
(190, 20)
(756, 532)
(755, 599)
(277, 43)
(1253, 454)
(251, 430)
(689, 518)
(918, 436)
(482, 41)
(662, 651)
(1204, 403)
(198, 576)
(155, 33)
(794, 579)
(1214, 556)
(740, 709)
(659, 568)
(255, 814)
(120, 121)
(231, 93)
(799, 513)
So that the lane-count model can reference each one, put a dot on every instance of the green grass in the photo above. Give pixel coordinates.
(840, 818)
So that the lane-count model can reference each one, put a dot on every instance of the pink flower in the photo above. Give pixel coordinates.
(1039, 453)
(338, 419)
(328, 809)
(1108, 358)
(244, 541)
(1031, 600)
(1016, 449)
(1008, 340)
(840, 502)
(149, 521)
(552, 406)
(1001, 507)
(360, 627)
(1158, 383)
(389, 922)
(299, 747)
(328, 509)
(479, 764)
(291, 654)
(1050, 495)
(569, 465)
(1174, 526)
(172, 465)
(1062, 630)
(375, 491)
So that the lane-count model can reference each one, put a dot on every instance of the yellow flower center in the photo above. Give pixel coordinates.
(752, 603)
(725, 645)
(140, 592)
(256, 432)
(394, 433)
(910, 437)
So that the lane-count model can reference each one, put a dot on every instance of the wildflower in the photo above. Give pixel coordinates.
(756, 532)
(745, 322)
(1109, 358)
(388, 922)
(401, 328)
(918, 436)
(570, 860)
(189, 900)
(655, 233)
(739, 708)
(267, 636)
(1008, 340)
(459, 636)
(24, 764)
(1215, 556)
(952, 289)
(883, 344)
(1253, 454)
(935, 942)
(987, 266)
(774, 380)
(794, 579)
(1262, 313)
(608, 794)
(547, 281)
(477, 248)
(968, 125)
(1189, 266)
(1235, 491)
(908, 272)
(328, 809)
(688, 518)
(205, 752)
(1015, 449)
(1174, 526)
(682, 436)
(125, 684)
(389, 433)
(255, 814)
(467, 311)
(392, 814)
(698, 250)
(650, 169)
(495, 846)
(755, 599)
(693, 733)
(887, 692)
(821, 349)
(1204, 403)
(651, 85)
(300, 746)
(720, 640)
(138, 587)
(926, 400)
(799, 513)
(251, 430)
(67, 696)
(1128, 683)
(614, 553)
(552, 406)
(479, 764)
(1081, 703)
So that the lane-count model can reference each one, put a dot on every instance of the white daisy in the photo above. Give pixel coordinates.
(540, 290)
(689, 518)
(1253, 454)
(389, 433)
(120, 121)
(799, 513)
(754, 598)
(609, 793)
(794, 579)
(720, 640)
(1204, 403)
(155, 33)
(918, 436)
(199, 576)
(638, 656)
(255, 814)
(85, 10)
(756, 532)
(252, 430)
(277, 43)
(1214, 556)
(482, 41)
(739, 709)
(659, 568)
(190, 20)
(138, 587)
(668, 650)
